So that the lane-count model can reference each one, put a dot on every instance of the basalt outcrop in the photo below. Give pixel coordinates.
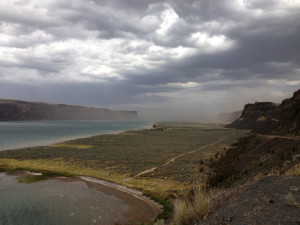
(14, 110)
(271, 118)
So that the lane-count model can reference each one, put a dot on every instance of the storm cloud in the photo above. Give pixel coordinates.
(194, 58)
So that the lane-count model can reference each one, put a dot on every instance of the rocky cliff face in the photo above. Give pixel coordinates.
(271, 118)
(20, 110)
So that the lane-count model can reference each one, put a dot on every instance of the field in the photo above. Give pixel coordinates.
(176, 155)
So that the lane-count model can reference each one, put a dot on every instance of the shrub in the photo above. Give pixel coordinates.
(159, 222)
(181, 212)
(291, 200)
(193, 207)
(295, 170)
(201, 202)
(296, 158)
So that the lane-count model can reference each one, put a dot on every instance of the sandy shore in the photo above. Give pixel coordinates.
(141, 208)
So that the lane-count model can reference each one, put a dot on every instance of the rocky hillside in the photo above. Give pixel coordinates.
(247, 194)
(20, 110)
(271, 118)
(271, 200)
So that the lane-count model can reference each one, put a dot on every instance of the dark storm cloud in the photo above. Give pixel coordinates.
(114, 52)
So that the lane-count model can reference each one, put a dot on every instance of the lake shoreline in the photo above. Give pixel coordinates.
(123, 157)
(140, 208)
(70, 138)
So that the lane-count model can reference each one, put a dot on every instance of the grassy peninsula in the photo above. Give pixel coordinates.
(163, 162)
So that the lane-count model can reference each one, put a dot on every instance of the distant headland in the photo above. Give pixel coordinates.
(16, 110)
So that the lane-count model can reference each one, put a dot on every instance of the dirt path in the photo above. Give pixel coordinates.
(174, 158)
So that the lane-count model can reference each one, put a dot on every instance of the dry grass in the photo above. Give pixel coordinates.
(72, 145)
(261, 119)
(295, 170)
(129, 133)
(201, 202)
(181, 212)
(162, 187)
(291, 200)
(159, 222)
(192, 208)
(60, 166)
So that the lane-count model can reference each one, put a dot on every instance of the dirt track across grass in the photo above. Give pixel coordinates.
(176, 157)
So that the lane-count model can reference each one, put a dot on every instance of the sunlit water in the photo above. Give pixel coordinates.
(32, 133)
(54, 202)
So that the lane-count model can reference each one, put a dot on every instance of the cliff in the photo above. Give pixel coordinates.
(271, 118)
(11, 110)
(229, 117)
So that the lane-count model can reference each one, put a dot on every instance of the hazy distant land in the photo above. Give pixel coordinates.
(12, 110)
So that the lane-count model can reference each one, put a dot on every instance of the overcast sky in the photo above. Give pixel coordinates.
(176, 59)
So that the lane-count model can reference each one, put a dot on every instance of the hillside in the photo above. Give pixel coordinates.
(249, 194)
(12, 110)
(271, 118)
(257, 180)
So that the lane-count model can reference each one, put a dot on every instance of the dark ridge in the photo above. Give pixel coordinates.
(15, 110)
(271, 118)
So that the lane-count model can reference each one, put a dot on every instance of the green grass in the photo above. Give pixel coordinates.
(31, 179)
(165, 202)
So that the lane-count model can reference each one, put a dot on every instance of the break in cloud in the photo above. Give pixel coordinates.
(189, 58)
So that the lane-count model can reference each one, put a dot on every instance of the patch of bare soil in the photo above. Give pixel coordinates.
(271, 200)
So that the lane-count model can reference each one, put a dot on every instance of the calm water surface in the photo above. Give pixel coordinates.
(55, 202)
(32, 133)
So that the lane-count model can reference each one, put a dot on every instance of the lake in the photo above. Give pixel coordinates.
(53, 202)
(19, 134)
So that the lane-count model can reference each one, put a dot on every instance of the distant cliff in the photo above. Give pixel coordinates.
(11, 110)
(271, 118)
(229, 117)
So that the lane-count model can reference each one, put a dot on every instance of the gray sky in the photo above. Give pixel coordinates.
(173, 59)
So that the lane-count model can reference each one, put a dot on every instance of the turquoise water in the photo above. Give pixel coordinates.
(32, 133)
(55, 202)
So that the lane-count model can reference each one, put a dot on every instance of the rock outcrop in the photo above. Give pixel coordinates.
(271, 118)
(12, 110)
